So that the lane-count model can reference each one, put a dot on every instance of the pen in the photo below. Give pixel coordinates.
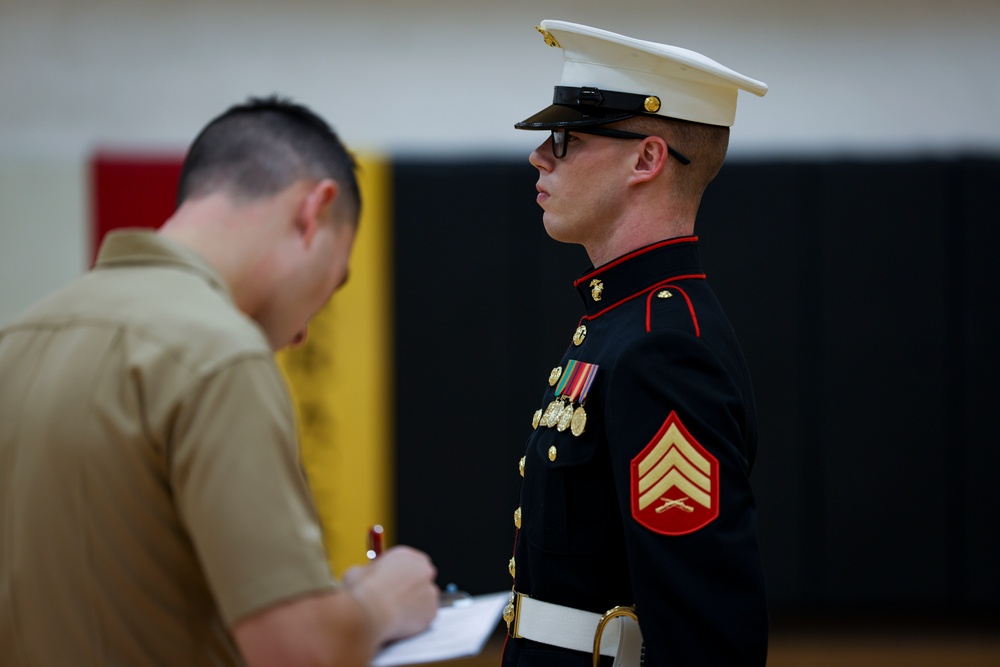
(375, 542)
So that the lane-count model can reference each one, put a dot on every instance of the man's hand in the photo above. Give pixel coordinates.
(393, 597)
(398, 591)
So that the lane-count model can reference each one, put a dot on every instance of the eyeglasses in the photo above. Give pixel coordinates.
(560, 140)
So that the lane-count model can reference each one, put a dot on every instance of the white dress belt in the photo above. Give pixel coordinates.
(575, 629)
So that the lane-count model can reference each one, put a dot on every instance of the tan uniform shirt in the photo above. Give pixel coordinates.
(150, 490)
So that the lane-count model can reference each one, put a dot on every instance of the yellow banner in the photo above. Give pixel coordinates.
(341, 381)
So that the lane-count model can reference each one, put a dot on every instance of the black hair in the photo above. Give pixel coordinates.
(259, 148)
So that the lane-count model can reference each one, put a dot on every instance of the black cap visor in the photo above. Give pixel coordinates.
(560, 115)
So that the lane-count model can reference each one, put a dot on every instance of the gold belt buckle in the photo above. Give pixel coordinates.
(614, 612)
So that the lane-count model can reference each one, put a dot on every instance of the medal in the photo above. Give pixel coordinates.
(565, 418)
(573, 387)
(578, 422)
(564, 405)
(552, 413)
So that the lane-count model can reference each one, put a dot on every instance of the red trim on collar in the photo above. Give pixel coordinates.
(649, 301)
(693, 276)
(634, 253)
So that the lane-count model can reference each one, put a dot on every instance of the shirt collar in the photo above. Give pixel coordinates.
(635, 273)
(124, 247)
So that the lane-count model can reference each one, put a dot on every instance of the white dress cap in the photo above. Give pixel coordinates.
(609, 77)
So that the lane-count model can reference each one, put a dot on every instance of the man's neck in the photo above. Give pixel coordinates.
(220, 231)
(624, 238)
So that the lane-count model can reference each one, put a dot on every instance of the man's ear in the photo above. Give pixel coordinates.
(650, 159)
(317, 208)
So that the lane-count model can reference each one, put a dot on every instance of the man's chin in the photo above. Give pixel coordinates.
(555, 232)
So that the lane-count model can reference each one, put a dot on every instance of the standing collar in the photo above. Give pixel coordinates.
(633, 274)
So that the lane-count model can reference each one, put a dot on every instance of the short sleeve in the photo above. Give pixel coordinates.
(240, 490)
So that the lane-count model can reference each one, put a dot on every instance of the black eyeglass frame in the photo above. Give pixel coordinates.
(559, 140)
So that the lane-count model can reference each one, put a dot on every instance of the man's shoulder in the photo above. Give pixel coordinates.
(193, 319)
(173, 310)
(670, 308)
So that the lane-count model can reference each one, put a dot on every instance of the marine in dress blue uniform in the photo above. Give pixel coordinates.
(636, 488)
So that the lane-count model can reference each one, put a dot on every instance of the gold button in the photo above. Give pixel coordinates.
(581, 333)
(552, 453)
(517, 517)
(537, 418)
(664, 294)
(555, 375)
(520, 466)
(651, 104)
(596, 289)
(511, 568)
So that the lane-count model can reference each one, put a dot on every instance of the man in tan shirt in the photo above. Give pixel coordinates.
(152, 507)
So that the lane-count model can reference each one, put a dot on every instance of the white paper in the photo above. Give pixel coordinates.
(459, 631)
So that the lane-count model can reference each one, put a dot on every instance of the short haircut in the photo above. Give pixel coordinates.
(257, 149)
(705, 145)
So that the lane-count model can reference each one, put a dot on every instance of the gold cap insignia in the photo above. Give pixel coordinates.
(579, 335)
(652, 104)
(596, 289)
(549, 39)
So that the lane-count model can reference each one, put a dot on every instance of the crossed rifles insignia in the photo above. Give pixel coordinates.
(674, 482)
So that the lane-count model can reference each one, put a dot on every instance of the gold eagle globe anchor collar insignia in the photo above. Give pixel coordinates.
(635, 274)
(596, 289)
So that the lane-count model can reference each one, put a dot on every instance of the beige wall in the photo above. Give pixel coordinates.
(449, 77)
